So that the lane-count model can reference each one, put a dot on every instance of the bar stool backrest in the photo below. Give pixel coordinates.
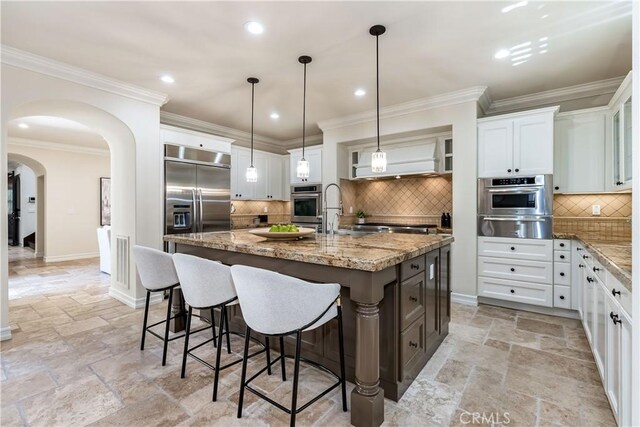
(204, 283)
(155, 268)
(273, 303)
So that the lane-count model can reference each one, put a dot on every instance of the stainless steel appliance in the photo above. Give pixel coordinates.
(516, 207)
(396, 228)
(306, 205)
(197, 190)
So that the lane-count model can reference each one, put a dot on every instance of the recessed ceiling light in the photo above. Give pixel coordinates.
(514, 6)
(543, 45)
(167, 79)
(23, 126)
(544, 16)
(275, 116)
(502, 53)
(254, 27)
(543, 39)
(360, 92)
(543, 51)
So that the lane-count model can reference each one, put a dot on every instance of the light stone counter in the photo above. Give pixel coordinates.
(373, 252)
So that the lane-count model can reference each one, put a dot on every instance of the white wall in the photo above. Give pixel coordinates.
(27, 210)
(71, 199)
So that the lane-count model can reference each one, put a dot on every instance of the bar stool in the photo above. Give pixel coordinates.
(277, 305)
(208, 285)
(157, 274)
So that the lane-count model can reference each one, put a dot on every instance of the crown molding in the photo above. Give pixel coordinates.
(625, 86)
(451, 98)
(584, 111)
(551, 110)
(485, 101)
(56, 146)
(242, 138)
(555, 96)
(309, 141)
(40, 64)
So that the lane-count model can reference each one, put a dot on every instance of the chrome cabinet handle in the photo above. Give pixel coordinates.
(201, 224)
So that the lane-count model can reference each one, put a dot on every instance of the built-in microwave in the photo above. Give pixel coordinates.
(306, 204)
(526, 195)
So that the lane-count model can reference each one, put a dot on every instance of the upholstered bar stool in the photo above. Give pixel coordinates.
(277, 305)
(207, 285)
(157, 274)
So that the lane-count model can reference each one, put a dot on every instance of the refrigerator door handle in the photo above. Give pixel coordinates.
(200, 213)
(195, 216)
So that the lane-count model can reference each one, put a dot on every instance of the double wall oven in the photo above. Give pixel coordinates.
(520, 207)
(306, 205)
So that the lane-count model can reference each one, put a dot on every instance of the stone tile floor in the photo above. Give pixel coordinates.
(74, 360)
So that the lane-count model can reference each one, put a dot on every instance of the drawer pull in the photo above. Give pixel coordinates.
(578, 249)
(512, 291)
(615, 318)
(513, 248)
(589, 279)
(413, 344)
(614, 292)
(561, 274)
(562, 245)
(580, 265)
(585, 256)
(561, 256)
(596, 269)
(561, 296)
(415, 266)
(513, 269)
(414, 299)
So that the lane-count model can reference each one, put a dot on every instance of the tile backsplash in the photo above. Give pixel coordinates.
(408, 200)
(572, 214)
(247, 210)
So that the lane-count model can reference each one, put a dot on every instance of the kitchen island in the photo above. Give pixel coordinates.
(395, 297)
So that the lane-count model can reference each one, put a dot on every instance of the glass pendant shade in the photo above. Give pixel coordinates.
(252, 174)
(302, 171)
(379, 161)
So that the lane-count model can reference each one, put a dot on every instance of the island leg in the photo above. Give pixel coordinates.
(367, 398)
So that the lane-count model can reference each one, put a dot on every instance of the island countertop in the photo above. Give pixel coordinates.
(372, 252)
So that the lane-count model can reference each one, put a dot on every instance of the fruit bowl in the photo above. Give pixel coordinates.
(282, 235)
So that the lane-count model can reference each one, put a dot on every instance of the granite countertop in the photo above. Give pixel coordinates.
(373, 252)
(614, 256)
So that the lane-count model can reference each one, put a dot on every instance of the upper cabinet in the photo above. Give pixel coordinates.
(270, 175)
(190, 138)
(516, 144)
(314, 156)
(621, 152)
(579, 154)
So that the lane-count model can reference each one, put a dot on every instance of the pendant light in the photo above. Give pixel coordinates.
(252, 172)
(379, 158)
(302, 170)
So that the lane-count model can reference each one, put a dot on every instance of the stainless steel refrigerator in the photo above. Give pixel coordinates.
(197, 190)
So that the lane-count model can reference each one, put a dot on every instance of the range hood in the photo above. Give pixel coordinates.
(423, 158)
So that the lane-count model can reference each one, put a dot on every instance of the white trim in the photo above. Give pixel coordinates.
(309, 141)
(624, 86)
(71, 257)
(464, 299)
(197, 133)
(594, 110)
(485, 101)
(551, 311)
(57, 146)
(40, 64)
(552, 110)
(156, 298)
(554, 96)
(445, 99)
(260, 142)
(5, 333)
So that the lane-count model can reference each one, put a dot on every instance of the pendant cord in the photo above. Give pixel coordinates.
(253, 85)
(377, 95)
(304, 107)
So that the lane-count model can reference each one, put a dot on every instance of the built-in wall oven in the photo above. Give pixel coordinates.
(306, 204)
(516, 207)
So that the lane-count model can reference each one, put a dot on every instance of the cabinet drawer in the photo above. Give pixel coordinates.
(527, 293)
(412, 344)
(562, 256)
(529, 249)
(412, 299)
(518, 270)
(562, 296)
(411, 267)
(614, 286)
(561, 244)
(561, 274)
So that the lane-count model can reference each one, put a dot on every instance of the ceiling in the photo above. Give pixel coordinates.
(56, 130)
(429, 48)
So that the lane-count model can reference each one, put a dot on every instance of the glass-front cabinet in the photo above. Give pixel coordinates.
(621, 167)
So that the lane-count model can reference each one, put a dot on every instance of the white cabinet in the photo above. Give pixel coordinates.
(579, 151)
(190, 138)
(562, 294)
(269, 185)
(516, 144)
(314, 156)
(621, 149)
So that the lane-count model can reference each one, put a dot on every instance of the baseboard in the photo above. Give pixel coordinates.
(552, 311)
(156, 297)
(464, 299)
(71, 257)
(5, 333)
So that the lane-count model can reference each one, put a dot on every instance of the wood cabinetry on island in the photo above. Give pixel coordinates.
(395, 297)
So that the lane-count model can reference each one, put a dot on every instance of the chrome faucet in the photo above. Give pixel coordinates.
(326, 209)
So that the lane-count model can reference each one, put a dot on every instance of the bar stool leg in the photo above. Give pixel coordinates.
(186, 343)
(296, 372)
(267, 349)
(226, 325)
(223, 315)
(166, 331)
(243, 376)
(342, 370)
(282, 360)
(144, 323)
(213, 326)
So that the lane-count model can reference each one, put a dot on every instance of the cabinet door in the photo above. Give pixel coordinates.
(495, 148)
(626, 144)
(577, 279)
(315, 166)
(261, 186)
(588, 306)
(626, 362)
(579, 154)
(240, 188)
(533, 145)
(600, 317)
(275, 177)
(612, 371)
(444, 288)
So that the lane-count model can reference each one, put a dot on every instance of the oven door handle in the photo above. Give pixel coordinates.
(515, 191)
(493, 218)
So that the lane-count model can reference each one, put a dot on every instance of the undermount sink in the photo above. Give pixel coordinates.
(347, 232)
